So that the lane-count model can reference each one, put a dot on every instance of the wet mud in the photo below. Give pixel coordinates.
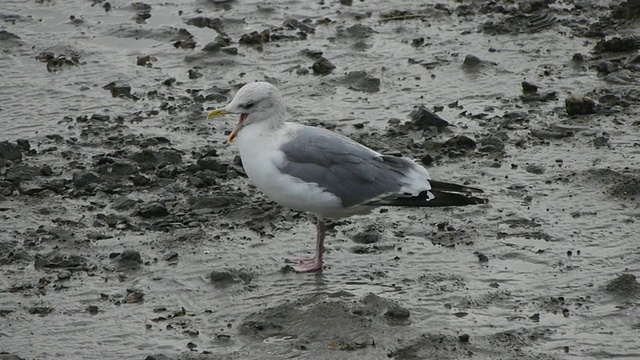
(129, 228)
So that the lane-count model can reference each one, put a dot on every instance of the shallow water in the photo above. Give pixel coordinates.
(553, 240)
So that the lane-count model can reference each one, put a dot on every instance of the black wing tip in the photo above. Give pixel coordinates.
(451, 187)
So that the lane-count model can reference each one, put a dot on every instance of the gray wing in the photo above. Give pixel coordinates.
(354, 173)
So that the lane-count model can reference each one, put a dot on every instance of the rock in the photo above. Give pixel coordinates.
(145, 60)
(100, 117)
(579, 106)
(92, 309)
(322, 66)
(55, 260)
(529, 88)
(460, 142)
(423, 118)
(46, 170)
(10, 151)
(534, 169)
(204, 178)
(140, 180)
(118, 88)
(116, 167)
(464, 338)
(370, 235)
(600, 142)
(255, 38)
(133, 296)
(618, 44)
(187, 43)
(124, 203)
(82, 179)
(624, 285)
(229, 277)
(397, 313)
(202, 22)
(209, 163)
(471, 61)
(152, 210)
(535, 97)
(167, 172)
(303, 27)
(194, 74)
(7, 356)
(629, 9)
(427, 160)
(129, 259)
(17, 174)
(41, 310)
(361, 81)
(157, 357)
(209, 202)
(149, 159)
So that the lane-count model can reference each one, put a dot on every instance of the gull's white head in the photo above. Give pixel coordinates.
(255, 102)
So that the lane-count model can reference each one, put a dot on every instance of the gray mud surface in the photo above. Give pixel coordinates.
(129, 230)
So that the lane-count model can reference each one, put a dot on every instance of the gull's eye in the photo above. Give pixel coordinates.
(248, 106)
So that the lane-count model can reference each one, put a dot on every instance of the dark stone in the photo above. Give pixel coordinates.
(92, 309)
(194, 74)
(229, 277)
(124, 203)
(100, 117)
(149, 159)
(118, 88)
(600, 142)
(534, 169)
(152, 210)
(322, 66)
(255, 38)
(209, 163)
(145, 60)
(579, 106)
(427, 160)
(41, 310)
(46, 170)
(460, 142)
(157, 357)
(129, 259)
(361, 81)
(140, 180)
(535, 97)
(55, 260)
(7, 356)
(204, 178)
(10, 151)
(629, 9)
(464, 338)
(83, 179)
(169, 82)
(209, 202)
(423, 118)
(618, 44)
(397, 313)
(167, 172)
(482, 257)
(624, 285)
(529, 88)
(471, 60)
(202, 22)
(24, 144)
(370, 235)
(17, 174)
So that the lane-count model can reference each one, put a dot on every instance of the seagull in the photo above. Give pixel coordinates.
(317, 171)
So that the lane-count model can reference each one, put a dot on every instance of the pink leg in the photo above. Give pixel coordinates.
(315, 263)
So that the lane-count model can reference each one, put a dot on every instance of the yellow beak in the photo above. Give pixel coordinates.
(220, 112)
(217, 112)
